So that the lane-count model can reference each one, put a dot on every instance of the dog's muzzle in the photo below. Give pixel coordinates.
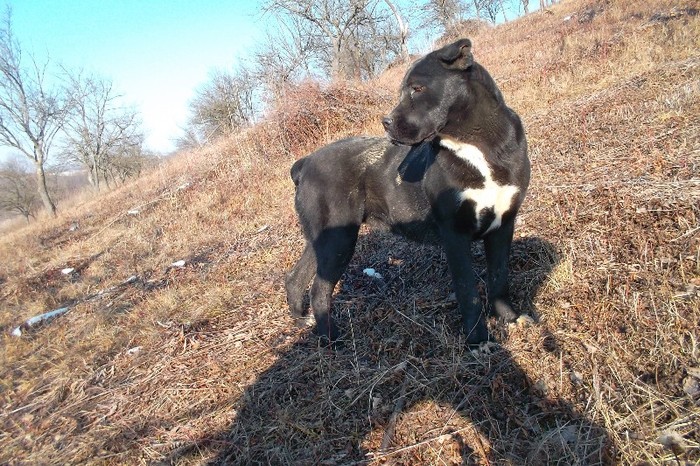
(387, 122)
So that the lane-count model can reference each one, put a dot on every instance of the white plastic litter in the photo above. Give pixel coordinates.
(134, 350)
(370, 272)
(45, 317)
(131, 279)
(67, 271)
(180, 263)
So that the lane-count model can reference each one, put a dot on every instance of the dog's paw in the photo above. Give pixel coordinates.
(304, 321)
(524, 321)
(485, 348)
(476, 331)
(333, 345)
(503, 309)
(299, 312)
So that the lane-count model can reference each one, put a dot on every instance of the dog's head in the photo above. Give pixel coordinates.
(436, 92)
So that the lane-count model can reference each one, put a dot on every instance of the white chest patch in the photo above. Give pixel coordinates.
(492, 195)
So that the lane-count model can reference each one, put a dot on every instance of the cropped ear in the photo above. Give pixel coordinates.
(457, 56)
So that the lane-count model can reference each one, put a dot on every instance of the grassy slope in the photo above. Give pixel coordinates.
(607, 256)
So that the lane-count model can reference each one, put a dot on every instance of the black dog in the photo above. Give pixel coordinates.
(456, 169)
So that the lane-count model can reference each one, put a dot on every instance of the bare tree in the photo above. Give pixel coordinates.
(379, 40)
(544, 4)
(17, 189)
(99, 129)
(447, 13)
(476, 6)
(526, 6)
(225, 103)
(328, 21)
(491, 8)
(348, 38)
(31, 111)
(403, 29)
(283, 58)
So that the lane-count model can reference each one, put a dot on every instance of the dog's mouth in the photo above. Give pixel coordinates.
(399, 142)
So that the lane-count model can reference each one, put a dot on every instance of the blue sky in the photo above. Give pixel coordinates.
(156, 52)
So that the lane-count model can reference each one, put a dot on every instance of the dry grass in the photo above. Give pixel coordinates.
(202, 364)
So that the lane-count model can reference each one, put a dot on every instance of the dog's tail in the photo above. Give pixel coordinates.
(296, 171)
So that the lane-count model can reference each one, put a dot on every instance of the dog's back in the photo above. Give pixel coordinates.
(345, 160)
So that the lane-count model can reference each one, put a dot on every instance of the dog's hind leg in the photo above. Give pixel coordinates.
(334, 248)
(298, 280)
(497, 246)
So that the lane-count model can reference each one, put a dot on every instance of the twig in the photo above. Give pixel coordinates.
(687, 233)
(22, 408)
(398, 407)
(419, 444)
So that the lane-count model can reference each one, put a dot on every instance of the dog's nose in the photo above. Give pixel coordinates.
(387, 121)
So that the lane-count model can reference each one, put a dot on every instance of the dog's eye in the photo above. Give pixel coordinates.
(416, 89)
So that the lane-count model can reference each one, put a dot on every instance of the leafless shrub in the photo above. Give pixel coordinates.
(18, 192)
(311, 114)
(226, 102)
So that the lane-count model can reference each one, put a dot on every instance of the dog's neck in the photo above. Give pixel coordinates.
(486, 118)
(477, 74)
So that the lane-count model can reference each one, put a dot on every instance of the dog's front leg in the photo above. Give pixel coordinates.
(458, 249)
(497, 246)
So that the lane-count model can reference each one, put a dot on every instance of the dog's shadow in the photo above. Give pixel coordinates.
(403, 388)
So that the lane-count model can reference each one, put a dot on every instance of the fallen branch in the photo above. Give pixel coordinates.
(442, 437)
(398, 407)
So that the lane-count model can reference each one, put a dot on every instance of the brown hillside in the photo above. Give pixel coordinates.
(201, 363)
